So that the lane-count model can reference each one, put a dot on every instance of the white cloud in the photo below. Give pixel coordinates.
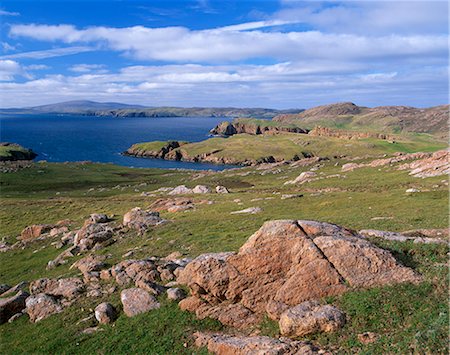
(86, 68)
(8, 13)
(37, 67)
(179, 44)
(49, 53)
(9, 69)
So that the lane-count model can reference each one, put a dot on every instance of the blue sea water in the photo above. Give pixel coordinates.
(60, 138)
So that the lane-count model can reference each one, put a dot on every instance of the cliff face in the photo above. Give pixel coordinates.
(231, 128)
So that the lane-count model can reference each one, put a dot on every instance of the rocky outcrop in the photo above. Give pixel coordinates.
(223, 344)
(35, 231)
(14, 152)
(310, 317)
(253, 127)
(287, 262)
(137, 150)
(435, 165)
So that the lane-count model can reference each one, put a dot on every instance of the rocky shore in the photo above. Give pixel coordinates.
(15, 152)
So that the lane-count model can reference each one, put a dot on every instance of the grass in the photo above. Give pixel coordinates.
(407, 318)
(14, 152)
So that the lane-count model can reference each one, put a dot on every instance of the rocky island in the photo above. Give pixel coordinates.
(14, 152)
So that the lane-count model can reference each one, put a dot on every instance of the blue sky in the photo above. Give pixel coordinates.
(281, 54)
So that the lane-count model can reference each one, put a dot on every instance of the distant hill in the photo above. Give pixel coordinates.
(115, 109)
(393, 119)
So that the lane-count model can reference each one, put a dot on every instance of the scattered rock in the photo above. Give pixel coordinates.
(92, 234)
(105, 313)
(350, 167)
(176, 294)
(41, 306)
(223, 344)
(222, 190)
(401, 237)
(12, 305)
(141, 220)
(90, 264)
(136, 301)
(250, 210)
(15, 317)
(288, 196)
(181, 190)
(412, 190)
(310, 317)
(21, 286)
(436, 165)
(176, 204)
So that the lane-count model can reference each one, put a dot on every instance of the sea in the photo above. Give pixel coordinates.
(62, 138)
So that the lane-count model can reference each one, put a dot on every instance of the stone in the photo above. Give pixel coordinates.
(57, 231)
(287, 262)
(201, 189)
(92, 234)
(250, 210)
(141, 220)
(367, 337)
(176, 294)
(15, 317)
(435, 165)
(68, 287)
(35, 231)
(98, 218)
(180, 190)
(306, 176)
(222, 190)
(173, 204)
(412, 190)
(105, 313)
(12, 305)
(224, 344)
(349, 167)
(21, 286)
(136, 301)
(150, 286)
(89, 264)
(167, 275)
(310, 317)
(41, 306)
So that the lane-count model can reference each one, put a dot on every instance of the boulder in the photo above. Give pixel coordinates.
(97, 218)
(105, 313)
(92, 234)
(174, 204)
(201, 189)
(136, 301)
(41, 306)
(310, 317)
(141, 220)
(68, 288)
(223, 344)
(12, 305)
(176, 294)
(90, 264)
(35, 231)
(222, 190)
(288, 262)
(181, 190)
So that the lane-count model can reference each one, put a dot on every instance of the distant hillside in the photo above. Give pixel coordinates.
(383, 118)
(114, 109)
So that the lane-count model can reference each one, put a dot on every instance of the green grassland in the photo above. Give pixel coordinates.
(407, 318)
(285, 146)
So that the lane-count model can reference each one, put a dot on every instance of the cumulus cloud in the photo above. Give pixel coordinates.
(179, 44)
(9, 69)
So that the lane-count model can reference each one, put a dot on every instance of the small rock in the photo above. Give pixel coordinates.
(176, 294)
(136, 301)
(105, 313)
(181, 190)
(222, 190)
(12, 305)
(411, 191)
(15, 316)
(309, 318)
(4, 288)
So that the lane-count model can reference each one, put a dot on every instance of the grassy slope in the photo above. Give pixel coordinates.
(407, 317)
(8, 151)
